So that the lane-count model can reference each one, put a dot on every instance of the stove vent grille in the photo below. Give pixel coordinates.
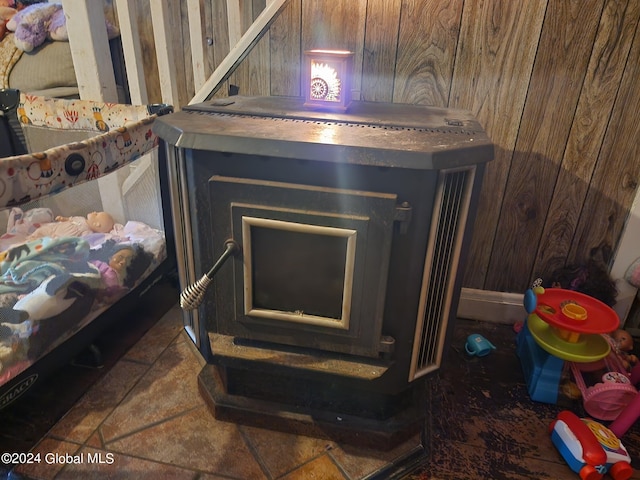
(450, 127)
(451, 207)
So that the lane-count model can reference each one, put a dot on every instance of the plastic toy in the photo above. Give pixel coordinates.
(631, 412)
(478, 345)
(612, 391)
(589, 448)
(562, 325)
(622, 344)
(565, 324)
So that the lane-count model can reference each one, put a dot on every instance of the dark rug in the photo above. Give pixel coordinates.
(482, 423)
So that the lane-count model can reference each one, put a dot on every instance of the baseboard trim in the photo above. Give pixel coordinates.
(491, 306)
(503, 307)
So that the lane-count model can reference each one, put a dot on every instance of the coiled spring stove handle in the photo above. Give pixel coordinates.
(191, 297)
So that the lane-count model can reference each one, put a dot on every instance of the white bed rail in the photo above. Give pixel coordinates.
(92, 61)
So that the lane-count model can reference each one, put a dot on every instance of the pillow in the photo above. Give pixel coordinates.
(47, 66)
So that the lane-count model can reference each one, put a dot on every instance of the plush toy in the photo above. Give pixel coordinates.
(39, 304)
(31, 25)
(41, 21)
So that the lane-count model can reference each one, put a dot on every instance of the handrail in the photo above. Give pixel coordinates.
(92, 60)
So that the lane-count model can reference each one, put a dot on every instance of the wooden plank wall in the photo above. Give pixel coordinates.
(554, 83)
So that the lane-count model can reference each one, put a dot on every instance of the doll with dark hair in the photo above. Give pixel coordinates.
(591, 279)
(120, 265)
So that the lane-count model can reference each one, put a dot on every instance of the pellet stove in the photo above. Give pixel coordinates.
(324, 251)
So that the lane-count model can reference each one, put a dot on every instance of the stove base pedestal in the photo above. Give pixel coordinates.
(258, 407)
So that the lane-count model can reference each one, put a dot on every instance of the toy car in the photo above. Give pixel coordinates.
(589, 448)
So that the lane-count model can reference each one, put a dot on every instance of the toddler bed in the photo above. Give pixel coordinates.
(85, 230)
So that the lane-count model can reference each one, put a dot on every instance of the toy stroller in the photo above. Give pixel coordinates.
(611, 392)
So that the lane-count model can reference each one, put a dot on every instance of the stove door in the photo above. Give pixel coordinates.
(313, 267)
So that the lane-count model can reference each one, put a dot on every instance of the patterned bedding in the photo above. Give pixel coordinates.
(51, 287)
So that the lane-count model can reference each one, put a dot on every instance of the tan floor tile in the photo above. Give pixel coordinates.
(168, 389)
(158, 338)
(281, 452)
(82, 420)
(321, 468)
(51, 454)
(95, 441)
(361, 462)
(195, 440)
(121, 467)
(208, 476)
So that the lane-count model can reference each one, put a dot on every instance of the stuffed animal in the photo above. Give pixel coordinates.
(38, 22)
(40, 304)
(31, 25)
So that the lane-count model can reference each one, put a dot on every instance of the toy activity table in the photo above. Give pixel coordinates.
(562, 325)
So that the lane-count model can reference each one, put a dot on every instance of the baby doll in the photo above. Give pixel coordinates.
(114, 269)
(95, 222)
(120, 265)
(623, 346)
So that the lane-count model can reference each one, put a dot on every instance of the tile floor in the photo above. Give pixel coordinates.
(145, 419)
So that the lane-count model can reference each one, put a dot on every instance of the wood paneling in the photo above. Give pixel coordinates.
(597, 95)
(252, 75)
(220, 38)
(553, 82)
(207, 9)
(494, 60)
(542, 138)
(380, 51)
(333, 24)
(285, 51)
(428, 36)
(615, 180)
(182, 53)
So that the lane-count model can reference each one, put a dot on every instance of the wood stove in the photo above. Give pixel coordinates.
(337, 241)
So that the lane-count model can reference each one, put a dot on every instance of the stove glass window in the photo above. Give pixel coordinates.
(298, 272)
